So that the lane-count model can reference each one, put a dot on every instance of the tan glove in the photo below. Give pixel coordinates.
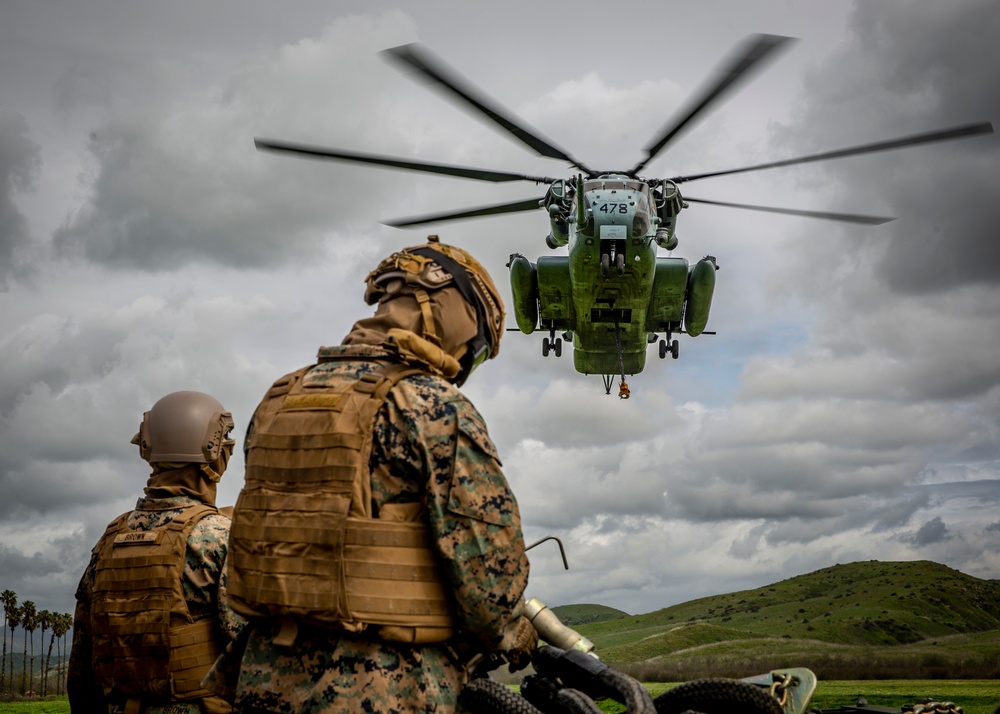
(525, 645)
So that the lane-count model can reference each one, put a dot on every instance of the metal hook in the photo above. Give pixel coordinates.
(562, 552)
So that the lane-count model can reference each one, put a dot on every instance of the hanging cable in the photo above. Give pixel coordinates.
(623, 392)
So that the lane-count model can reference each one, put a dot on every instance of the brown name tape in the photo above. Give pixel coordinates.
(138, 538)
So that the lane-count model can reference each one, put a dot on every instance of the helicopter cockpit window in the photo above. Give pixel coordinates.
(640, 219)
(614, 185)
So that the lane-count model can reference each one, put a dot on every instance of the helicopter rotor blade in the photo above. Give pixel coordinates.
(958, 132)
(514, 207)
(826, 215)
(434, 69)
(749, 57)
(319, 152)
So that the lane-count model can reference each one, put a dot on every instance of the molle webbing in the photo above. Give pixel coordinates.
(303, 542)
(145, 642)
(190, 659)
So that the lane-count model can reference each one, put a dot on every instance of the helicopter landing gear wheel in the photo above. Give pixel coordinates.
(605, 263)
(669, 348)
(620, 263)
(552, 343)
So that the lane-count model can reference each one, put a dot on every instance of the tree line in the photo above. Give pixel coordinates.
(29, 618)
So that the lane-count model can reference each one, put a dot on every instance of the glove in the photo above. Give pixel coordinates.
(525, 645)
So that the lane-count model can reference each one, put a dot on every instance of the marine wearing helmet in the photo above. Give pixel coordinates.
(147, 645)
(376, 534)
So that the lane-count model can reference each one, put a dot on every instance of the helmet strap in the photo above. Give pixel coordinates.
(463, 283)
(222, 462)
(424, 300)
(213, 475)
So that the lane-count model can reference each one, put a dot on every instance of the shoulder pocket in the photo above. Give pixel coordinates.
(479, 490)
(472, 427)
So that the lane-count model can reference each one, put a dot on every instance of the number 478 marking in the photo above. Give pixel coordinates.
(613, 208)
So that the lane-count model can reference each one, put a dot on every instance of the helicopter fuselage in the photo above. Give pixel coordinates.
(611, 293)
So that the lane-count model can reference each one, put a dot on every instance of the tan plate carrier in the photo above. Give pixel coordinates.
(304, 546)
(146, 643)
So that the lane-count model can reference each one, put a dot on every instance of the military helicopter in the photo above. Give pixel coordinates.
(612, 295)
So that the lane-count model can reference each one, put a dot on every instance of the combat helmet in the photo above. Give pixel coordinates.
(186, 427)
(425, 269)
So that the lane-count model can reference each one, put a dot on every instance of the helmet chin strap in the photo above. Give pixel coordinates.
(213, 475)
(424, 301)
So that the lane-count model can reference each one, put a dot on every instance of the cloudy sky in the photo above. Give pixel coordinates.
(846, 410)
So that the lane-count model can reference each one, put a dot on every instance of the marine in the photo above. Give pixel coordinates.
(376, 546)
(152, 610)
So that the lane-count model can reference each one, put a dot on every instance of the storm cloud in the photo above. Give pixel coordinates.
(845, 409)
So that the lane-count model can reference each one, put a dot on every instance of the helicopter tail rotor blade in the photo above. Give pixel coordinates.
(748, 58)
(421, 59)
(515, 207)
(958, 132)
(826, 215)
(319, 152)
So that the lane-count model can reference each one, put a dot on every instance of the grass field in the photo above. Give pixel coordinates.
(47, 706)
(974, 696)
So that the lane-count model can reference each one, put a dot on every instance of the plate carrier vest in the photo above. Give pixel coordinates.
(304, 547)
(146, 643)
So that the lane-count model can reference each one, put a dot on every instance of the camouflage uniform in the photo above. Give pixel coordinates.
(204, 589)
(430, 447)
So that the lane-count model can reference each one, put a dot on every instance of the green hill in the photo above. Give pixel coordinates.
(880, 619)
(574, 615)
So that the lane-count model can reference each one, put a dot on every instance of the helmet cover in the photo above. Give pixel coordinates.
(435, 266)
(185, 427)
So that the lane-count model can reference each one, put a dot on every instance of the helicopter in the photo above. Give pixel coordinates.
(611, 295)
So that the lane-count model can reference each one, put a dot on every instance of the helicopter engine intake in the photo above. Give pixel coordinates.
(669, 203)
(668, 200)
(559, 204)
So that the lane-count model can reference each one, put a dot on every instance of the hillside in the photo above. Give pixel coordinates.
(574, 615)
(894, 615)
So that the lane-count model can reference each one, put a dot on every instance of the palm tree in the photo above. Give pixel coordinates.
(9, 600)
(44, 622)
(67, 645)
(29, 621)
(13, 620)
(61, 622)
